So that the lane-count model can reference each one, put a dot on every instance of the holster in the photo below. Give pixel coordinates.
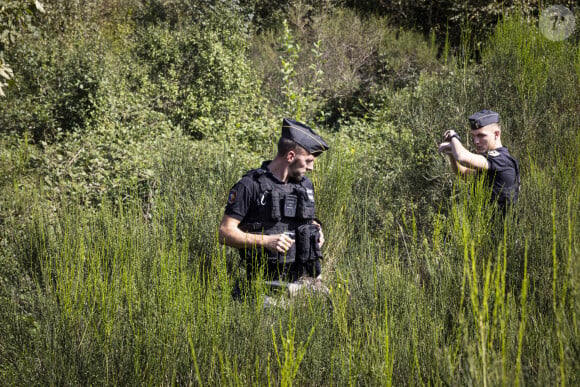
(307, 248)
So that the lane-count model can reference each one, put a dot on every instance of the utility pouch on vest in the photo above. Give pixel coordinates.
(275, 206)
(306, 208)
(307, 248)
(290, 203)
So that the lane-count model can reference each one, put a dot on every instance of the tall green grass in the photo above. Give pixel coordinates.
(121, 298)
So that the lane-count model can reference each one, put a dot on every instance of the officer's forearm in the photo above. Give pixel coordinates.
(239, 239)
(231, 235)
(466, 163)
(458, 151)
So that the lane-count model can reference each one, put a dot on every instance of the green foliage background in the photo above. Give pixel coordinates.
(125, 123)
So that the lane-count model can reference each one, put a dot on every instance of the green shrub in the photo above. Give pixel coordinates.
(534, 85)
(59, 84)
(195, 56)
(114, 161)
(18, 17)
(341, 61)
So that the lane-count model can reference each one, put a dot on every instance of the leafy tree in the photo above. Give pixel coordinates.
(15, 16)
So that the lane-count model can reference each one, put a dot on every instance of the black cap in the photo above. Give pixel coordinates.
(483, 118)
(303, 136)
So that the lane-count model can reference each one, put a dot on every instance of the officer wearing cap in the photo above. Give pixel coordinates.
(270, 213)
(492, 159)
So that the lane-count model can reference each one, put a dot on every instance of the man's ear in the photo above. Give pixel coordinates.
(290, 156)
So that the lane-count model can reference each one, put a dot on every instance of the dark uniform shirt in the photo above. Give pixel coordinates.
(247, 202)
(250, 204)
(503, 176)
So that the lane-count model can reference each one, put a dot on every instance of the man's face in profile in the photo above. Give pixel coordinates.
(485, 138)
(301, 162)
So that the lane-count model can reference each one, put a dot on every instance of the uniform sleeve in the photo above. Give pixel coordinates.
(503, 169)
(239, 200)
(499, 163)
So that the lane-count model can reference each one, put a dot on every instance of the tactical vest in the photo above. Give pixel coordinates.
(281, 209)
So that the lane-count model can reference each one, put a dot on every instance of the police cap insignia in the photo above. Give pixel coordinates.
(232, 196)
(304, 136)
(483, 118)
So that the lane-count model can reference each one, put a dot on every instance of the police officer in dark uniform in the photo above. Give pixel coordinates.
(270, 215)
(492, 159)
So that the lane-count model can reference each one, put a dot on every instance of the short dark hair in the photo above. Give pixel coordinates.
(286, 145)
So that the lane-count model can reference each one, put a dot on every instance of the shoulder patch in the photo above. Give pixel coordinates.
(493, 153)
(232, 196)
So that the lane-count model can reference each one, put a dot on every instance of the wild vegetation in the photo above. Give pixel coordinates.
(124, 124)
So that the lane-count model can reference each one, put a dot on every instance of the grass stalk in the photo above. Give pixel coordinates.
(389, 358)
(555, 301)
(523, 319)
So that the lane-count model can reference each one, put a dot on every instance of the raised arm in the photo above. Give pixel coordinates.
(466, 158)
(463, 162)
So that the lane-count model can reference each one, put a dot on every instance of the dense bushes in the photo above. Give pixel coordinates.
(341, 61)
(537, 87)
(195, 54)
(93, 89)
(202, 82)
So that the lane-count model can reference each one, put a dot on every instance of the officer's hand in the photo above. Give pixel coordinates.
(448, 134)
(279, 243)
(321, 234)
(321, 239)
(445, 147)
